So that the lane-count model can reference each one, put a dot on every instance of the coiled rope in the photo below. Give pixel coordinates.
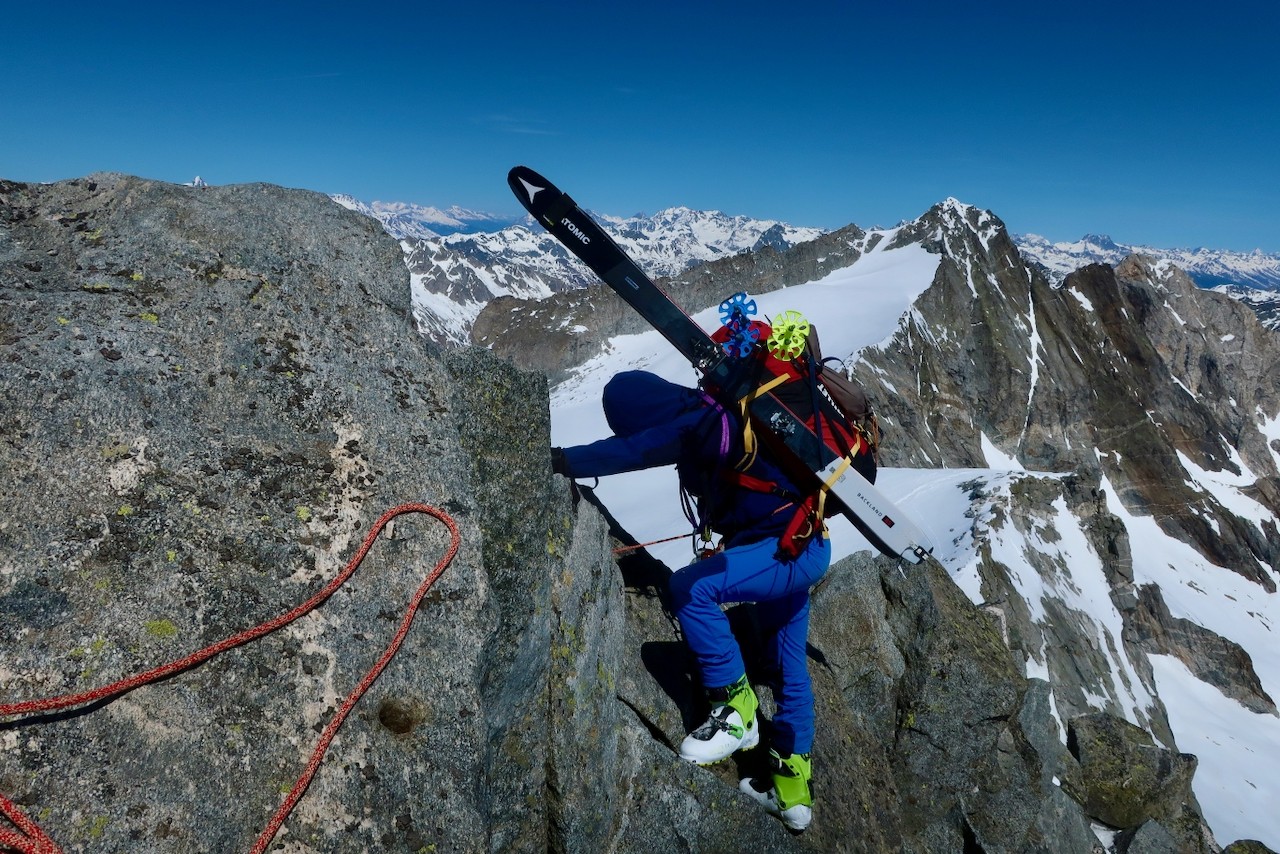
(30, 839)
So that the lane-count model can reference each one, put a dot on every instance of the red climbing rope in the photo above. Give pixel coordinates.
(622, 550)
(32, 840)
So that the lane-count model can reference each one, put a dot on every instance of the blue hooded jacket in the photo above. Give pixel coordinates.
(658, 423)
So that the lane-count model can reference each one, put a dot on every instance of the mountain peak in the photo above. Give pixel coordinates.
(1101, 241)
(952, 203)
(951, 220)
(952, 211)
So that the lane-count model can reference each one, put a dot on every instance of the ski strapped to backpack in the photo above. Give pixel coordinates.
(820, 463)
(791, 368)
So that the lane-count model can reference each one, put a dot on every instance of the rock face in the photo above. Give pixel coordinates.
(1125, 779)
(1131, 381)
(210, 396)
(1119, 373)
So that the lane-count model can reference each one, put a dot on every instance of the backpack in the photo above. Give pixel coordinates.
(833, 406)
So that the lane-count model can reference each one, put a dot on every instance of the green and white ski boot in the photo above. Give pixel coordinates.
(786, 794)
(731, 727)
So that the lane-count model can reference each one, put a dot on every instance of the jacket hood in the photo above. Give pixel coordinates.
(638, 400)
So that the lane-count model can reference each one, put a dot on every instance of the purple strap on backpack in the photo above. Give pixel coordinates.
(724, 424)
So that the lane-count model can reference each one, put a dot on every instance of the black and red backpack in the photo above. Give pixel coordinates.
(830, 404)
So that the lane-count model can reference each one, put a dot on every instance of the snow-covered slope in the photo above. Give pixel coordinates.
(859, 306)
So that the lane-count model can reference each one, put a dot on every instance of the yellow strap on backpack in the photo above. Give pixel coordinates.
(749, 444)
(845, 462)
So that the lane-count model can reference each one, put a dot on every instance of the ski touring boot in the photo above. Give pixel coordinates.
(732, 725)
(786, 793)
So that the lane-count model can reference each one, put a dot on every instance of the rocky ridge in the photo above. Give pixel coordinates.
(213, 392)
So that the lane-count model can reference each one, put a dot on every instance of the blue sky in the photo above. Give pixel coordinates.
(1156, 123)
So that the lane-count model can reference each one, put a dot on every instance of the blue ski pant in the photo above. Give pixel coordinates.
(752, 573)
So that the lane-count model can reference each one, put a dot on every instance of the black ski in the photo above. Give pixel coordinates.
(884, 525)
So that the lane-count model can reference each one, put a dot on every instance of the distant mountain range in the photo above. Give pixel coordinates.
(455, 275)
(410, 222)
(1208, 268)
(461, 259)
(1251, 277)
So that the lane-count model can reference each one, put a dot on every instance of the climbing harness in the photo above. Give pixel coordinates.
(31, 839)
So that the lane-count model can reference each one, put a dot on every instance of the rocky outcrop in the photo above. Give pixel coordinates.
(1127, 380)
(209, 396)
(1127, 781)
(929, 736)
(1213, 659)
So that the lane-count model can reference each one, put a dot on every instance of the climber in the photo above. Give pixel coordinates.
(657, 423)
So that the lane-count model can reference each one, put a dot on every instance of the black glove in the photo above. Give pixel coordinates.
(558, 464)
